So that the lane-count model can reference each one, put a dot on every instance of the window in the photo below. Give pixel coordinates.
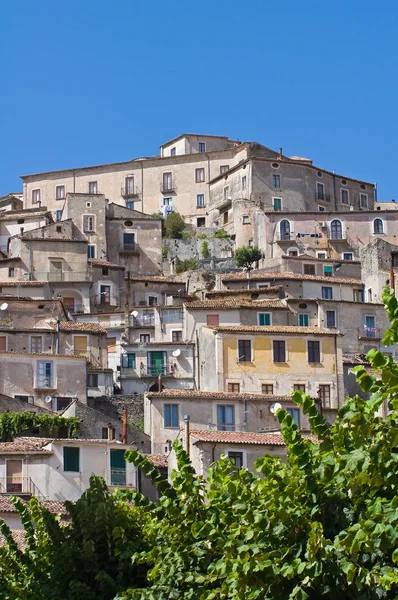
(71, 459)
(200, 221)
(378, 226)
(105, 433)
(44, 374)
(299, 387)
(234, 387)
(246, 220)
(226, 192)
(36, 344)
(309, 269)
(236, 458)
(225, 215)
(303, 319)
(327, 271)
(152, 300)
(330, 318)
(358, 295)
(336, 230)
(11, 272)
(320, 191)
(279, 349)
(213, 320)
(327, 293)
(223, 169)
(363, 200)
(59, 192)
(35, 196)
(264, 318)
(92, 380)
(145, 338)
(251, 242)
(370, 326)
(176, 336)
(295, 413)
(200, 201)
(173, 151)
(92, 187)
(321, 254)
(292, 252)
(324, 395)
(130, 204)
(167, 201)
(111, 344)
(199, 175)
(244, 182)
(369, 295)
(105, 294)
(348, 256)
(321, 209)
(277, 203)
(225, 418)
(90, 251)
(284, 229)
(58, 215)
(267, 388)
(202, 147)
(344, 197)
(172, 315)
(244, 351)
(167, 181)
(88, 223)
(61, 403)
(314, 352)
(276, 181)
(105, 271)
(171, 415)
(129, 185)
(129, 361)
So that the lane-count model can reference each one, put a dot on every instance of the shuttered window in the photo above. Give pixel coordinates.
(111, 344)
(72, 459)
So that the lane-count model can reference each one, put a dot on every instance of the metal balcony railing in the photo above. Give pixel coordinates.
(168, 187)
(58, 276)
(369, 332)
(322, 197)
(143, 320)
(285, 236)
(130, 191)
(129, 248)
(15, 484)
(118, 477)
(105, 300)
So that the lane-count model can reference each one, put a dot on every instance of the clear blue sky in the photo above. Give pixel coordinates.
(90, 82)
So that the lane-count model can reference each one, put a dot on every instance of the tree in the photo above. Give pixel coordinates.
(246, 256)
(174, 225)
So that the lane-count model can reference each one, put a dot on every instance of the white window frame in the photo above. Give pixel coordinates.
(277, 339)
(36, 193)
(264, 313)
(342, 190)
(360, 201)
(174, 330)
(30, 342)
(53, 385)
(352, 256)
(89, 216)
(294, 249)
(96, 187)
(60, 185)
(240, 450)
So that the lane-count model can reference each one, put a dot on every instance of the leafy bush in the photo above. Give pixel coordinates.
(202, 236)
(189, 264)
(204, 249)
(221, 233)
(14, 423)
(174, 225)
(246, 256)
(164, 252)
(186, 235)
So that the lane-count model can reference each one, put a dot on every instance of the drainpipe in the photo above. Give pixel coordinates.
(57, 337)
(187, 418)
(142, 186)
(334, 191)
(337, 373)
(74, 181)
(124, 427)
(245, 415)
(198, 359)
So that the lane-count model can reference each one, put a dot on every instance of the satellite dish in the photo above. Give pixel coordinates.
(275, 407)
(48, 399)
(135, 313)
(176, 353)
(4, 306)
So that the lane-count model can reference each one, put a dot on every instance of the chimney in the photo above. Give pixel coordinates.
(124, 427)
(111, 436)
(280, 154)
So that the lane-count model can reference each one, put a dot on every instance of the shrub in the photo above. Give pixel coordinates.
(189, 264)
(174, 225)
(204, 248)
(221, 233)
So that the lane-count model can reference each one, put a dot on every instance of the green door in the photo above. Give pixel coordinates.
(156, 363)
(118, 468)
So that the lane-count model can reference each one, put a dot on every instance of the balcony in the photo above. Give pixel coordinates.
(15, 484)
(285, 236)
(117, 477)
(128, 191)
(322, 197)
(105, 300)
(168, 187)
(142, 370)
(129, 249)
(369, 333)
(74, 308)
(143, 320)
(59, 276)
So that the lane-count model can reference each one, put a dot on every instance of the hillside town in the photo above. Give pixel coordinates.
(141, 336)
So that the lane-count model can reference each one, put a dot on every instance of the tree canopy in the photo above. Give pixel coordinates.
(174, 225)
(246, 256)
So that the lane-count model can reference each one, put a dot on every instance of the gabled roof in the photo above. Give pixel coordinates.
(101, 264)
(241, 437)
(270, 329)
(68, 227)
(26, 445)
(116, 211)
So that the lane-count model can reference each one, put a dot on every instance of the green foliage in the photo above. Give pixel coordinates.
(174, 225)
(189, 264)
(221, 233)
(15, 423)
(186, 235)
(202, 236)
(204, 248)
(246, 256)
(164, 252)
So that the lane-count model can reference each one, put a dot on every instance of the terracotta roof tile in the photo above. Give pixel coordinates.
(66, 326)
(6, 506)
(158, 460)
(198, 395)
(155, 279)
(29, 445)
(231, 304)
(267, 290)
(23, 283)
(105, 263)
(241, 437)
(269, 329)
(315, 258)
(9, 215)
(266, 276)
(19, 537)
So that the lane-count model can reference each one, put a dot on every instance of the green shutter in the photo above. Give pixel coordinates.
(71, 459)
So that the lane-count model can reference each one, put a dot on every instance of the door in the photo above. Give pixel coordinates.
(55, 270)
(128, 241)
(370, 326)
(3, 343)
(14, 476)
(129, 186)
(156, 363)
(69, 303)
(80, 345)
(105, 294)
(285, 230)
(118, 468)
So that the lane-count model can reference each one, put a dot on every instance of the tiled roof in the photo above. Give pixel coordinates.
(9, 215)
(241, 437)
(6, 506)
(356, 359)
(158, 460)
(66, 326)
(156, 279)
(270, 289)
(267, 329)
(28, 445)
(23, 283)
(161, 343)
(54, 356)
(243, 303)
(19, 537)
(198, 395)
(257, 276)
(105, 263)
(315, 258)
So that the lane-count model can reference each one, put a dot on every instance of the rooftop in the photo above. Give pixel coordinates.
(267, 276)
(269, 329)
(26, 445)
(105, 263)
(156, 279)
(241, 437)
(198, 395)
(231, 304)
(158, 460)
(6, 506)
(85, 327)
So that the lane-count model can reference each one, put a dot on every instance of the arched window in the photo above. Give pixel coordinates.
(285, 229)
(336, 230)
(378, 226)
